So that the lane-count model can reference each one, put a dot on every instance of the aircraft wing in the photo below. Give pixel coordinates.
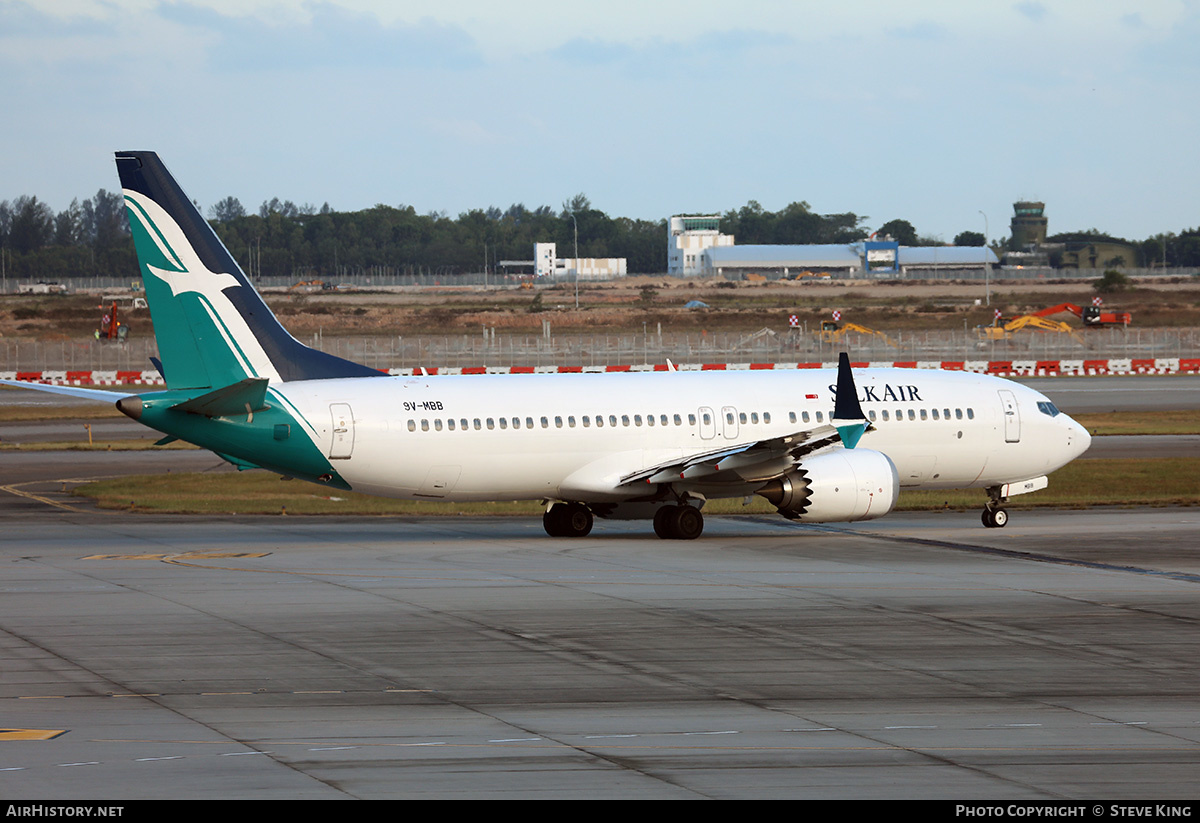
(756, 460)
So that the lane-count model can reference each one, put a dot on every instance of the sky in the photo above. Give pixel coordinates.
(940, 113)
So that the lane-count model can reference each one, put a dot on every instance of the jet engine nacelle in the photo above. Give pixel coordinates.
(843, 485)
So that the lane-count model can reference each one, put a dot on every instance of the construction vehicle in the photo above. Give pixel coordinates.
(1092, 316)
(111, 330)
(310, 286)
(1005, 328)
(831, 332)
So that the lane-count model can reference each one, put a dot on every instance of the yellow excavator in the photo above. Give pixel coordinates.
(831, 332)
(1026, 321)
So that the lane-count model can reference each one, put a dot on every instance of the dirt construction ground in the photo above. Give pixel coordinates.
(636, 304)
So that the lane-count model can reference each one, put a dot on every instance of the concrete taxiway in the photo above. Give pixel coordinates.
(919, 656)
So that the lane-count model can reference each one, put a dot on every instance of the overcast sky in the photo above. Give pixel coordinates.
(928, 111)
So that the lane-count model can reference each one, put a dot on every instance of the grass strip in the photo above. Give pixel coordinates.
(1108, 482)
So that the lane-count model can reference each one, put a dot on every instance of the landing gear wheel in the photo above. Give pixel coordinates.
(662, 522)
(994, 518)
(678, 522)
(577, 522)
(689, 523)
(567, 520)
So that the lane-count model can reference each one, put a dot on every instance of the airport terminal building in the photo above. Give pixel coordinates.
(852, 260)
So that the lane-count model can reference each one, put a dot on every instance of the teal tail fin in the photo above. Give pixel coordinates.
(212, 327)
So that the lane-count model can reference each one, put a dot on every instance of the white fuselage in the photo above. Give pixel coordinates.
(573, 437)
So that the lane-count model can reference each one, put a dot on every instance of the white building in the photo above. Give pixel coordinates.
(781, 260)
(687, 238)
(547, 263)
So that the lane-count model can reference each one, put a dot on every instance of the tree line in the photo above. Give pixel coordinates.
(91, 237)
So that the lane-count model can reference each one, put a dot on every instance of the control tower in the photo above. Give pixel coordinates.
(1028, 225)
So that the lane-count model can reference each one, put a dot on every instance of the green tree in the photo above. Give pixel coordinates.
(1112, 281)
(901, 231)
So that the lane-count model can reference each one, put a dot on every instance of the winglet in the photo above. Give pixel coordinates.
(848, 417)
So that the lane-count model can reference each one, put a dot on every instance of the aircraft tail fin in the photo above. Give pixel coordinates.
(213, 329)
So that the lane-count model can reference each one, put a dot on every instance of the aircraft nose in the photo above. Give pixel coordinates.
(1078, 438)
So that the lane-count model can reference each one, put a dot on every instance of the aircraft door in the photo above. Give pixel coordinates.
(729, 420)
(342, 445)
(708, 423)
(1012, 416)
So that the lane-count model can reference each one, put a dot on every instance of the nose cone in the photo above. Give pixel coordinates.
(1078, 439)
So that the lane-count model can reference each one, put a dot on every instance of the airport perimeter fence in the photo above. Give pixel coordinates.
(368, 279)
(507, 350)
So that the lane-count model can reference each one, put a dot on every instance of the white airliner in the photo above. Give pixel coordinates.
(820, 445)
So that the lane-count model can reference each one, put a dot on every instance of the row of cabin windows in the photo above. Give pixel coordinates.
(923, 414)
(570, 421)
(491, 423)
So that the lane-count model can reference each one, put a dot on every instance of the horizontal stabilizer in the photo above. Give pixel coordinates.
(244, 397)
(99, 395)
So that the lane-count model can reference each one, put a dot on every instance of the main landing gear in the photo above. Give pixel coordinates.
(680, 522)
(567, 520)
(674, 522)
(994, 516)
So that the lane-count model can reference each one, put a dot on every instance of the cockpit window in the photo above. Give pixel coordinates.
(1048, 408)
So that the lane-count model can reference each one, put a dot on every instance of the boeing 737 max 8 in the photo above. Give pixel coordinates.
(819, 445)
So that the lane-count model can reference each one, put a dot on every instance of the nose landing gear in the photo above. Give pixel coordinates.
(994, 516)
